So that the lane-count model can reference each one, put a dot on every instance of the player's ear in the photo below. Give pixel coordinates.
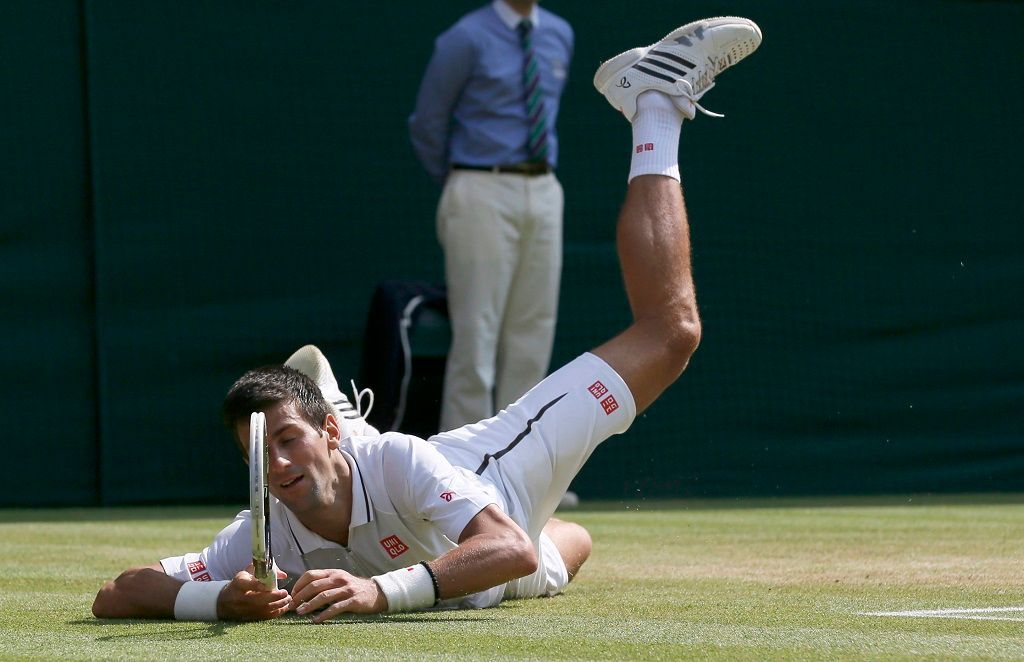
(333, 431)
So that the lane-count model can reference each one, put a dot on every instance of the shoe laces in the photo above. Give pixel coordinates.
(358, 399)
(687, 92)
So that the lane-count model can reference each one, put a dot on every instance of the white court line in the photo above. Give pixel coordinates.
(977, 614)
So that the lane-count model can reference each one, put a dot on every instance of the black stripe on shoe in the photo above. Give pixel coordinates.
(665, 66)
(519, 437)
(675, 58)
(656, 74)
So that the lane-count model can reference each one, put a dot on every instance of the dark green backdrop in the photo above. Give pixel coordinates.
(193, 188)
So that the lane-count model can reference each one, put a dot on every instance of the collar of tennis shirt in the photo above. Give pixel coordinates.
(511, 17)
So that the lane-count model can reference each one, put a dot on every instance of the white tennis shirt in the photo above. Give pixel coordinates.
(391, 474)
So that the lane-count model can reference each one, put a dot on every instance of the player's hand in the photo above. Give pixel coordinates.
(339, 592)
(248, 599)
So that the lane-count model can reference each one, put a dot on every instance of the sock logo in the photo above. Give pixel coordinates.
(645, 147)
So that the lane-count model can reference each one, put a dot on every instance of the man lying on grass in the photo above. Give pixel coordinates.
(374, 523)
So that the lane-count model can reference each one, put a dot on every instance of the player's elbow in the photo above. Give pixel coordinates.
(103, 605)
(526, 562)
(115, 600)
(521, 555)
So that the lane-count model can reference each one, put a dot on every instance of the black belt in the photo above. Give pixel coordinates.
(528, 168)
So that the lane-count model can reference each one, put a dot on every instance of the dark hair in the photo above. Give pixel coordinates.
(262, 388)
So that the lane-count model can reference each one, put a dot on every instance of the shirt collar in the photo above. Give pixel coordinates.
(362, 512)
(511, 17)
(306, 539)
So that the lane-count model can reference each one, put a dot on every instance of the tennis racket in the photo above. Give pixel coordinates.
(259, 501)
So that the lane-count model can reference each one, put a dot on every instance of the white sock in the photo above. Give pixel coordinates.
(656, 128)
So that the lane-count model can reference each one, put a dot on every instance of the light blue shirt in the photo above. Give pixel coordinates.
(471, 108)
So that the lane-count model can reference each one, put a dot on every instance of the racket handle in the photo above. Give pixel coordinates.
(265, 572)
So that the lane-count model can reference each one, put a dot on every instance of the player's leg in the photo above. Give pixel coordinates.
(476, 228)
(562, 548)
(573, 543)
(656, 88)
(654, 250)
(533, 450)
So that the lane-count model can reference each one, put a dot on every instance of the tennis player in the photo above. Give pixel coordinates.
(368, 523)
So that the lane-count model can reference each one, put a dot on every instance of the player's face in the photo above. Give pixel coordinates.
(301, 470)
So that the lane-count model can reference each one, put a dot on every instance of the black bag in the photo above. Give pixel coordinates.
(405, 348)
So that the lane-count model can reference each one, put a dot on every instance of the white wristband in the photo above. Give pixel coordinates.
(197, 601)
(407, 589)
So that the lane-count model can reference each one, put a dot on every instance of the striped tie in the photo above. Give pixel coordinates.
(537, 142)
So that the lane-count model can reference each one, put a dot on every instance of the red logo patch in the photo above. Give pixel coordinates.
(609, 404)
(394, 546)
(205, 577)
(195, 567)
(648, 147)
(597, 389)
(447, 496)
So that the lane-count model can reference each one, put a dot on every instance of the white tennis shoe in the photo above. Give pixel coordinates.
(310, 361)
(683, 65)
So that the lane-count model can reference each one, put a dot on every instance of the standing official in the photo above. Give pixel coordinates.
(484, 127)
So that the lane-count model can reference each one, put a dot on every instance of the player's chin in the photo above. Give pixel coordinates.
(302, 505)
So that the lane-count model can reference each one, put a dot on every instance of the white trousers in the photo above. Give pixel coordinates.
(502, 241)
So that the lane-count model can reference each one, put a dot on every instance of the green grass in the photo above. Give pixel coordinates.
(780, 579)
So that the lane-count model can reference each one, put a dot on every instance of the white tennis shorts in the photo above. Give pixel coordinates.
(532, 450)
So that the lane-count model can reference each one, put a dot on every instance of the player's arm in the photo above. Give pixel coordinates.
(214, 584)
(144, 592)
(148, 592)
(492, 550)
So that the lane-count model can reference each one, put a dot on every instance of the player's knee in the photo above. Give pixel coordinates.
(582, 546)
(683, 338)
(573, 543)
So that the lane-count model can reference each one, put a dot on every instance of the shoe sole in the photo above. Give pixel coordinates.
(609, 71)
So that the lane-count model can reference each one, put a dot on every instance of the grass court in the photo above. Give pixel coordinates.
(787, 579)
